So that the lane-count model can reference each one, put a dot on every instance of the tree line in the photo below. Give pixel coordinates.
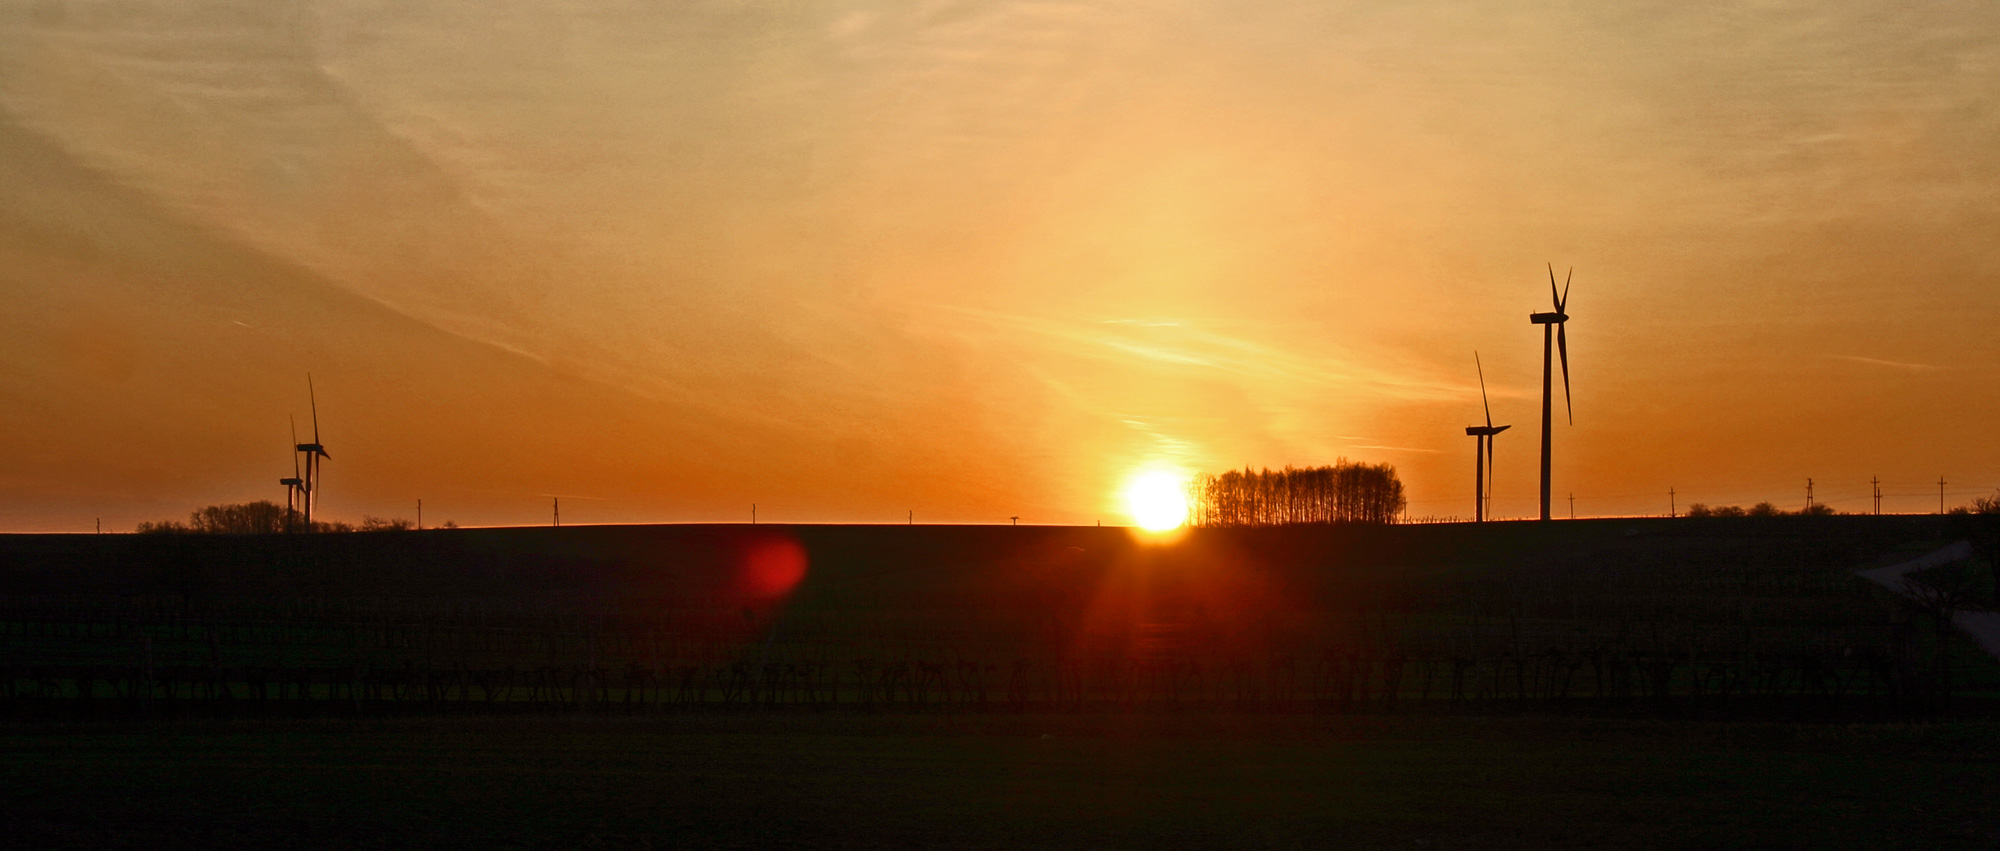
(1343, 492)
(264, 517)
(1762, 509)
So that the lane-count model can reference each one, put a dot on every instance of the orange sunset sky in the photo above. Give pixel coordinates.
(984, 259)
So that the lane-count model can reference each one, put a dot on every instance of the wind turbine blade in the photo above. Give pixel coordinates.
(314, 398)
(1564, 301)
(295, 445)
(1562, 346)
(1482, 388)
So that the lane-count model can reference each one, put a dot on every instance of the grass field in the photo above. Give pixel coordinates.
(1051, 781)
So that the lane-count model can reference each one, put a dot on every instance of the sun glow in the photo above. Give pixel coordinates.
(1157, 500)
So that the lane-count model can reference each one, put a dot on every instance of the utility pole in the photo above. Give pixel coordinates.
(1809, 498)
(420, 514)
(1940, 494)
(753, 514)
(1016, 519)
(913, 517)
(100, 520)
(1673, 510)
(1572, 505)
(557, 509)
(1875, 484)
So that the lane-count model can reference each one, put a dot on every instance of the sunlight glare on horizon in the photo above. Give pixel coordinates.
(1157, 500)
(960, 261)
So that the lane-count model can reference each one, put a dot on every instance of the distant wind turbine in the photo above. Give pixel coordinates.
(294, 484)
(314, 452)
(1552, 332)
(1482, 458)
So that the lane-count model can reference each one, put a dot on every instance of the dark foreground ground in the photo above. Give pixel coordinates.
(1048, 781)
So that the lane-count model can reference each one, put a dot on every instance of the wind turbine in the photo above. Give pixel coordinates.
(293, 484)
(1482, 458)
(1552, 331)
(314, 452)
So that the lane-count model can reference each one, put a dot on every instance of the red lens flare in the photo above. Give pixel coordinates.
(772, 567)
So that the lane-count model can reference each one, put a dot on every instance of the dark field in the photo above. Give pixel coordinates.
(1048, 781)
(1619, 683)
(1738, 617)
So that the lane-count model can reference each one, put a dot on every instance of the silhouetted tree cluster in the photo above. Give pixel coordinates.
(264, 517)
(1346, 492)
(1981, 505)
(1762, 509)
(1979, 523)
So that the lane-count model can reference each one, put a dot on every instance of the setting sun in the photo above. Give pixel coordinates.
(1157, 500)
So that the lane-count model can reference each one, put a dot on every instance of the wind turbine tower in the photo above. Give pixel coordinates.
(1554, 341)
(1482, 458)
(314, 452)
(293, 484)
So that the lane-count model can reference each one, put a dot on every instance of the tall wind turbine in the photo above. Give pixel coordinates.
(314, 453)
(293, 484)
(1552, 332)
(1482, 459)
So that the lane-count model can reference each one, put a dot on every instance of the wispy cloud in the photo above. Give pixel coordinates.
(1892, 364)
(1187, 344)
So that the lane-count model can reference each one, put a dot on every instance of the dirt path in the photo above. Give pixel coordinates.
(1984, 627)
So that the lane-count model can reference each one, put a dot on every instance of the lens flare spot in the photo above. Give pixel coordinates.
(773, 567)
(1157, 500)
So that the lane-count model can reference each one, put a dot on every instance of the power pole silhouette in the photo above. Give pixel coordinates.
(1673, 510)
(1572, 505)
(1940, 494)
(420, 514)
(557, 509)
(1875, 484)
(1809, 495)
(1016, 519)
(100, 520)
(753, 514)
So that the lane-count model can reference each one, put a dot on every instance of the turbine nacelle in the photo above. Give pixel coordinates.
(1486, 431)
(1548, 318)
